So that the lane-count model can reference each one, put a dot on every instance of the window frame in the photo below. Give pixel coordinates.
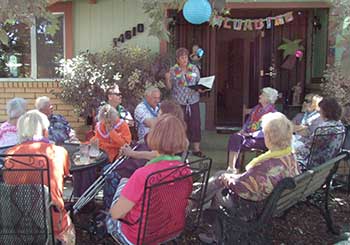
(60, 8)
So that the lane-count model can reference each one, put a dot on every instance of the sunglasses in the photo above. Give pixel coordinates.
(117, 94)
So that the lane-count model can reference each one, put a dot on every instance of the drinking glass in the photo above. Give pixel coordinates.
(84, 153)
(94, 148)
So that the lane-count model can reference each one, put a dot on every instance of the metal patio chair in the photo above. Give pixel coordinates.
(172, 188)
(25, 213)
(327, 142)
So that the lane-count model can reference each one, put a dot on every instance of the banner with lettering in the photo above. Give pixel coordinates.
(250, 24)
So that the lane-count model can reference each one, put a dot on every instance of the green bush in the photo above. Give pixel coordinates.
(86, 77)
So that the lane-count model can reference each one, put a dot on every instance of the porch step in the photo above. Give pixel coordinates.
(227, 129)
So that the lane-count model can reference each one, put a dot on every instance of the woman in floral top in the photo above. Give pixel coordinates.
(251, 134)
(244, 193)
(181, 77)
(330, 135)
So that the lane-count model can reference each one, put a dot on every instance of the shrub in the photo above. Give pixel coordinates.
(86, 77)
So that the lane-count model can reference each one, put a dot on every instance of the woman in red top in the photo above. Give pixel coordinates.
(111, 131)
(167, 137)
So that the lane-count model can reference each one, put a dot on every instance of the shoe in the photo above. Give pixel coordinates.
(198, 154)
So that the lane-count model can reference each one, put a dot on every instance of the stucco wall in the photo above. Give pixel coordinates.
(95, 25)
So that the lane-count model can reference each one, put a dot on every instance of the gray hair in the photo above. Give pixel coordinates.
(16, 107)
(278, 129)
(151, 90)
(271, 94)
(42, 102)
(107, 112)
(31, 125)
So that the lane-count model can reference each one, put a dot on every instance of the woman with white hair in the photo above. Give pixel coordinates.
(251, 135)
(8, 130)
(111, 131)
(244, 194)
(33, 132)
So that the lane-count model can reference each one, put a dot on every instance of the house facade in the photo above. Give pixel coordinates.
(244, 59)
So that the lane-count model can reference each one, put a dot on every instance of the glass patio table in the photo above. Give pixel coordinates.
(84, 175)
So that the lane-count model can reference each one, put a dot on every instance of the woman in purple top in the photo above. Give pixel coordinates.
(251, 135)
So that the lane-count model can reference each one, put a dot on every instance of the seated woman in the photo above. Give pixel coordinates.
(251, 136)
(138, 157)
(167, 137)
(330, 111)
(306, 122)
(244, 192)
(111, 131)
(8, 130)
(33, 132)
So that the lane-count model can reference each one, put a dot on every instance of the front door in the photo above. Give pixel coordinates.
(238, 62)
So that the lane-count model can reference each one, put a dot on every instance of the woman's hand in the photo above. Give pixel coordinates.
(126, 150)
(203, 90)
(130, 123)
(226, 179)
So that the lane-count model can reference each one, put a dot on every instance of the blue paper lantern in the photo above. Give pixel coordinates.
(197, 11)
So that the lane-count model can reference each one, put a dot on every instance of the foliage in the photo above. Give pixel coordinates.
(341, 12)
(87, 76)
(25, 12)
(337, 76)
(155, 10)
(336, 83)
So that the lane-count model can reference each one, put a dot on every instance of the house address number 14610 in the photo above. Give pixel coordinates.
(128, 34)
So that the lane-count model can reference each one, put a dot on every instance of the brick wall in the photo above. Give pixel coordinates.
(30, 91)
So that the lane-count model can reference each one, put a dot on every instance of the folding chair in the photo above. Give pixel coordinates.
(25, 213)
(166, 196)
(327, 142)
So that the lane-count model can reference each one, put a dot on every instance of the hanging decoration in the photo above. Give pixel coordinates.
(292, 51)
(197, 11)
(250, 24)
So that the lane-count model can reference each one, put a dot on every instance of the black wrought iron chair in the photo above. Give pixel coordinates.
(327, 142)
(25, 213)
(342, 177)
(172, 188)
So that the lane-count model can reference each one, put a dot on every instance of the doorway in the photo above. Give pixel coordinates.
(237, 63)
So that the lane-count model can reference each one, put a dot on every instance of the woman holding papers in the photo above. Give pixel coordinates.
(181, 77)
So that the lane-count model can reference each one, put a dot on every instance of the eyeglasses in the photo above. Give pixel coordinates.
(307, 101)
(117, 94)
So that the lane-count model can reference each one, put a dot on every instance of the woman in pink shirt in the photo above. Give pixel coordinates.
(167, 137)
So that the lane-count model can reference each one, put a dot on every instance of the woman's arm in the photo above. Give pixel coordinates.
(168, 81)
(127, 151)
(121, 208)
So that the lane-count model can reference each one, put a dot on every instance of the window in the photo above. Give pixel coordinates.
(31, 52)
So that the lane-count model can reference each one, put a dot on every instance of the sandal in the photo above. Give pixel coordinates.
(198, 154)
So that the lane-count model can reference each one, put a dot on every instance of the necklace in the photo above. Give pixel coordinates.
(154, 112)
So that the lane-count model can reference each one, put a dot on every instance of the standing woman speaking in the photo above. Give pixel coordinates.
(182, 75)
